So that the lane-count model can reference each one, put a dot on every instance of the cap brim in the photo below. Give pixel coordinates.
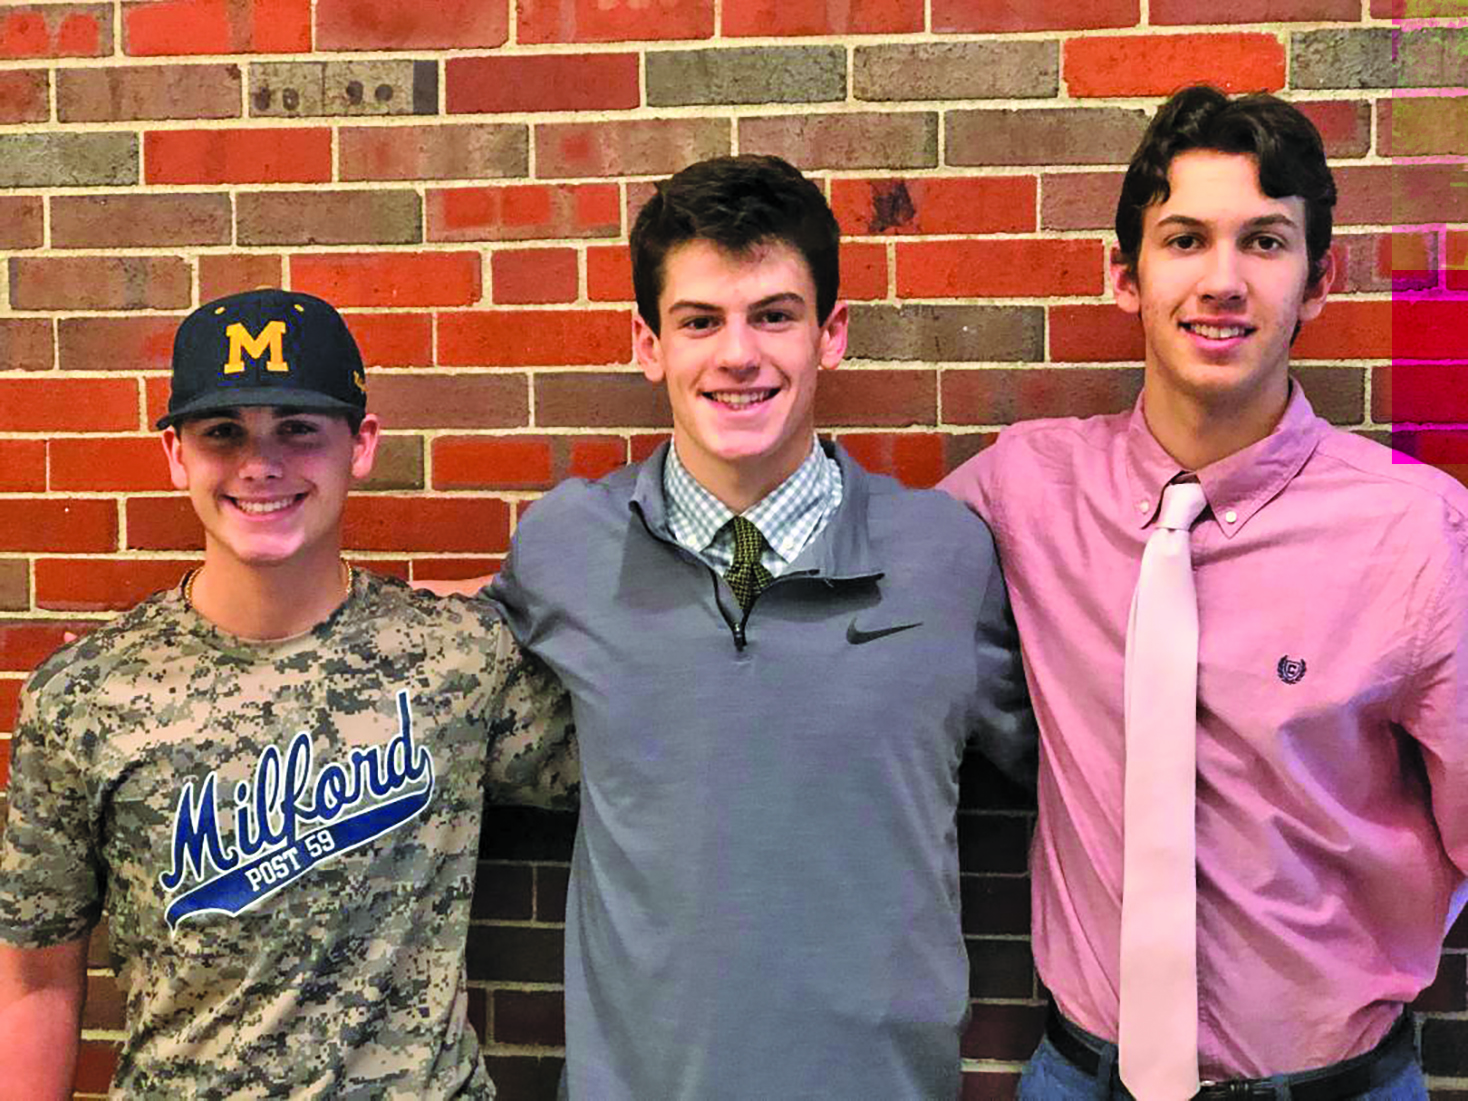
(218, 401)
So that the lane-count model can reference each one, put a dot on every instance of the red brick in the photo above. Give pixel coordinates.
(644, 444)
(1172, 12)
(21, 222)
(25, 96)
(100, 283)
(22, 466)
(155, 399)
(1159, 65)
(279, 155)
(1003, 1031)
(1419, 126)
(599, 21)
(24, 644)
(1095, 334)
(600, 400)
(1033, 15)
(232, 273)
(589, 456)
(1401, 194)
(525, 276)
(855, 140)
(9, 710)
(389, 278)
(453, 569)
(988, 204)
(763, 18)
(544, 82)
(25, 344)
(608, 273)
(56, 30)
(1003, 396)
(486, 400)
(1456, 261)
(68, 405)
(475, 525)
(514, 338)
(393, 25)
(1383, 262)
(877, 398)
(128, 463)
(524, 212)
(96, 1063)
(1004, 269)
(77, 525)
(633, 147)
(104, 1004)
(1344, 125)
(127, 93)
(492, 462)
(983, 1085)
(1428, 330)
(466, 151)
(393, 340)
(140, 221)
(1079, 200)
(162, 523)
(1348, 330)
(216, 27)
(913, 458)
(863, 271)
(103, 584)
(1420, 393)
(376, 217)
(141, 343)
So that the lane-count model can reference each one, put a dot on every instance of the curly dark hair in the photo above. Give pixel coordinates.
(1284, 143)
(737, 203)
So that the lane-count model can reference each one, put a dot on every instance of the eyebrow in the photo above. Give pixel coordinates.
(763, 303)
(1264, 221)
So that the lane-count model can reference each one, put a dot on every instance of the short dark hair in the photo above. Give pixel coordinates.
(737, 203)
(1284, 143)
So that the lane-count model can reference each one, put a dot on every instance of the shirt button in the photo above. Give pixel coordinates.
(1230, 516)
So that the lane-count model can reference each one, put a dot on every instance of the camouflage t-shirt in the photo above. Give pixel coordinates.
(284, 835)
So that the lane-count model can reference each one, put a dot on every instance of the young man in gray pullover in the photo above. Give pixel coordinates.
(776, 662)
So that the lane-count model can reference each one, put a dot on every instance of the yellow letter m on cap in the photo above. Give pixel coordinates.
(242, 344)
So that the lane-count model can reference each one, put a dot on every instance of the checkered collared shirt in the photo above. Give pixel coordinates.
(789, 516)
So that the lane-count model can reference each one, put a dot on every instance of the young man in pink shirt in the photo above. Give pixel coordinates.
(1330, 810)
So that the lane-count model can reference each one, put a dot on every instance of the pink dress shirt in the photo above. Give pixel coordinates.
(1332, 791)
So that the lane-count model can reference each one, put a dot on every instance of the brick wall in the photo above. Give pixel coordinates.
(460, 176)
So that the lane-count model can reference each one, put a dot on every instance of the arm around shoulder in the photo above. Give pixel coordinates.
(42, 991)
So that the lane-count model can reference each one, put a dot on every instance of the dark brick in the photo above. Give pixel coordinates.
(947, 333)
(957, 70)
(467, 151)
(1449, 990)
(551, 885)
(1003, 396)
(960, 447)
(1420, 126)
(524, 833)
(1007, 1032)
(399, 464)
(887, 399)
(68, 160)
(1045, 135)
(56, 30)
(503, 892)
(600, 400)
(22, 222)
(1000, 968)
(131, 93)
(1401, 194)
(15, 592)
(1079, 200)
(378, 217)
(981, 786)
(1445, 1047)
(995, 905)
(533, 1017)
(100, 283)
(1380, 57)
(1337, 393)
(754, 74)
(417, 399)
(140, 221)
(514, 953)
(524, 1077)
(898, 140)
(25, 96)
(632, 147)
(993, 843)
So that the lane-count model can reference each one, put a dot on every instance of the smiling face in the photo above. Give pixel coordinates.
(268, 483)
(1221, 279)
(739, 348)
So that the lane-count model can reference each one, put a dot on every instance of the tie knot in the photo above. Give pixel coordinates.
(1182, 503)
(749, 544)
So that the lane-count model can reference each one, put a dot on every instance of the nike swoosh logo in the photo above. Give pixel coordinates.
(856, 636)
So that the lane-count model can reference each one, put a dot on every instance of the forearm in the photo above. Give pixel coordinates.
(41, 995)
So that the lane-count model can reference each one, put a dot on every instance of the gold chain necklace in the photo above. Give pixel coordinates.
(193, 576)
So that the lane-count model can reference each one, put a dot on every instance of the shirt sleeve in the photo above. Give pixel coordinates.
(533, 755)
(1005, 728)
(1435, 712)
(51, 880)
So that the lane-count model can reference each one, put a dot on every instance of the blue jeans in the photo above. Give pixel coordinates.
(1051, 1077)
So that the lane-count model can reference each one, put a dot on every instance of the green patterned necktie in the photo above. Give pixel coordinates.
(746, 575)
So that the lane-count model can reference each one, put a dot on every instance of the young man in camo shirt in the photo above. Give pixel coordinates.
(270, 776)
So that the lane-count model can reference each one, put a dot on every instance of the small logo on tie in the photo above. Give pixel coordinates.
(856, 636)
(1291, 671)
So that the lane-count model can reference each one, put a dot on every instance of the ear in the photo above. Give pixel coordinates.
(833, 335)
(173, 452)
(364, 447)
(1124, 282)
(648, 348)
(1317, 292)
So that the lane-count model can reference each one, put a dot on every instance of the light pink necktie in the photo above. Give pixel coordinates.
(1159, 930)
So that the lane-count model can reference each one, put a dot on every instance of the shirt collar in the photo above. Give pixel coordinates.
(1238, 485)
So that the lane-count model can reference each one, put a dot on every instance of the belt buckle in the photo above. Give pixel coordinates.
(1233, 1087)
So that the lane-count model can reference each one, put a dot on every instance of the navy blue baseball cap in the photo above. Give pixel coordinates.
(265, 347)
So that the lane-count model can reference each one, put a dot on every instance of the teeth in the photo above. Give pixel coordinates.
(259, 508)
(740, 397)
(1216, 332)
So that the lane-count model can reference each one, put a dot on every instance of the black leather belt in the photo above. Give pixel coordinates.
(1337, 1082)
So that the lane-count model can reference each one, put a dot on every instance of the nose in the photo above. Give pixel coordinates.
(1223, 279)
(738, 350)
(260, 459)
